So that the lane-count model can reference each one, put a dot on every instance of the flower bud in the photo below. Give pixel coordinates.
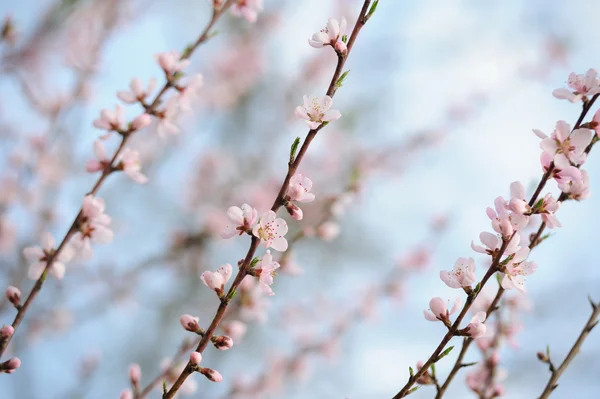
(341, 47)
(542, 357)
(222, 342)
(126, 394)
(141, 122)
(211, 374)
(135, 374)
(189, 323)
(294, 211)
(13, 294)
(6, 332)
(196, 358)
(10, 365)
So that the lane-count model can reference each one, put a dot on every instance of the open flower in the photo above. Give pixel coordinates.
(331, 35)
(439, 311)
(548, 208)
(580, 86)
(137, 93)
(299, 188)
(171, 62)
(578, 189)
(271, 231)
(563, 171)
(130, 164)
(566, 144)
(39, 256)
(316, 111)
(493, 243)
(463, 274)
(265, 271)
(242, 219)
(101, 161)
(216, 280)
(92, 226)
(516, 269)
(517, 201)
(111, 121)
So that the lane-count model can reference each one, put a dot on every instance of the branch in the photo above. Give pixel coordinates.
(292, 167)
(494, 267)
(107, 171)
(557, 372)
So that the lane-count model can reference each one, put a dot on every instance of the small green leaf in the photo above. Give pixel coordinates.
(294, 149)
(178, 75)
(468, 364)
(411, 372)
(188, 51)
(345, 38)
(232, 294)
(413, 390)
(372, 10)
(254, 262)
(164, 387)
(340, 81)
(433, 370)
(477, 288)
(445, 353)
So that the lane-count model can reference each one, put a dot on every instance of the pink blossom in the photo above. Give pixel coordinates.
(578, 189)
(248, 9)
(13, 294)
(171, 62)
(126, 394)
(141, 121)
(517, 201)
(294, 211)
(331, 35)
(271, 231)
(101, 161)
(39, 257)
(566, 144)
(299, 188)
(329, 230)
(216, 280)
(316, 110)
(235, 329)
(493, 243)
(580, 85)
(596, 121)
(548, 208)
(265, 270)
(165, 125)
(130, 164)
(189, 322)
(10, 365)
(137, 93)
(135, 373)
(243, 219)
(439, 311)
(111, 121)
(563, 171)
(92, 226)
(463, 274)
(476, 328)
(211, 374)
(189, 92)
(516, 269)
(196, 358)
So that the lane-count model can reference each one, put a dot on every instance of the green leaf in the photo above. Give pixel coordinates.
(294, 149)
(232, 294)
(342, 78)
(433, 370)
(445, 353)
(411, 372)
(372, 9)
(345, 38)
(254, 262)
(478, 287)
(413, 390)
(188, 51)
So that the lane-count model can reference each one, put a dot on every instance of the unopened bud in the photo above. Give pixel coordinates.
(196, 358)
(10, 365)
(135, 374)
(222, 342)
(211, 374)
(542, 356)
(189, 323)
(294, 210)
(6, 332)
(126, 394)
(13, 294)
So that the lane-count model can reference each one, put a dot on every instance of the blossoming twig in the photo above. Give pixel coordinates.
(494, 267)
(244, 267)
(557, 371)
(217, 13)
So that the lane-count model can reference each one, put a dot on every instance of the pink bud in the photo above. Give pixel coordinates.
(196, 358)
(13, 294)
(141, 122)
(189, 323)
(211, 374)
(223, 342)
(10, 365)
(341, 47)
(294, 211)
(135, 373)
(126, 394)
(438, 307)
(7, 331)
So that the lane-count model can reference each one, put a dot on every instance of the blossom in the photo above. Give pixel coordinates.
(111, 121)
(476, 328)
(137, 92)
(493, 243)
(130, 164)
(248, 9)
(548, 207)
(516, 269)
(517, 201)
(271, 231)
(566, 144)
(216, 280)
(299, 188)
(331, 35)
(101, 161)
(439, 311)
(563, 171)
(463, 274)
(265, 270)
(165, 124)
(596, 123)
(580, 85)
(171, 62)
(190, 92)
(141, 121)
(92, 226)
(189, 322)
(316, 111)
(243, 219)
(578, 189)
(39, 257)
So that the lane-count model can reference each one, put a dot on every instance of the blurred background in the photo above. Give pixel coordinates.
(437, 116)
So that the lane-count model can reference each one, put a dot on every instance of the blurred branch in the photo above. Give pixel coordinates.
(557, 372)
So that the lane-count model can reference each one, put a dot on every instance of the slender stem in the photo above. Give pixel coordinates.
(205, 35)
(492, 269)
(591, 323)
(292, 167)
